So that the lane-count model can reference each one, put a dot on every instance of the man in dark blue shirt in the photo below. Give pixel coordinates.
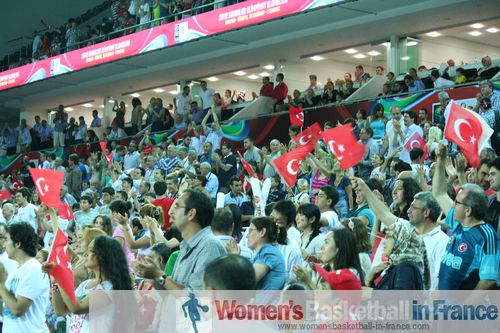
(472, 257)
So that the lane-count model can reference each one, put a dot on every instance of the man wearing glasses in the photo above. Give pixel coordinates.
(472, 256)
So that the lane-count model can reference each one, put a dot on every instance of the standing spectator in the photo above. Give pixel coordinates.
(60, 124)
(267, 167)
(25, 292)
(365, 166)
(225, 167)
(131, 160)
(11, 140)
(182, 103)
(206, 94)
(120, 114)
(96, 121)
(74, 176)
(26, 211)
(252, 153)
(214, 133)
(280, 93)
(37, 42)
(24, 136)
(267, 87)
(46, 134)
(158, 116)
(144, 14)
(73, 35)
(80, 132)
(137, 115)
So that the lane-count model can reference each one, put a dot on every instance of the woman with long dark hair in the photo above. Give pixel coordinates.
(402, 196)
(339, 251)
(105, 258)
(311, 238)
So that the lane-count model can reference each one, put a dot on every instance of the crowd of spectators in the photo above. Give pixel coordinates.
(51, 40)
(182, 215)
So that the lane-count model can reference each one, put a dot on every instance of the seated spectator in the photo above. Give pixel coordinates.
(329, 93)
(413, 85)
(440, 82)
(459, 76)
(268, 263)
(230, 272)
(488, 70)
(311, 239)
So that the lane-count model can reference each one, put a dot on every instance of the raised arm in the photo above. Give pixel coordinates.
(439, 187)
(378, 207)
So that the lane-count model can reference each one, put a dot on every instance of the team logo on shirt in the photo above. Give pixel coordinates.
(462, 247)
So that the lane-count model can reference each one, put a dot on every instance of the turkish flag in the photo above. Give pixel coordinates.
(309, 136)
(248, 168)
(288, 164)
(65, 212)
(62, 272)
(109, 157)
(296, 116)
(416, 141)
(344, 145)
(16, 184)
(48, 184)
(467, 130)
(4, 194)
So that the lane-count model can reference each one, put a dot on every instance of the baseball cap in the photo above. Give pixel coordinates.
(341, 279)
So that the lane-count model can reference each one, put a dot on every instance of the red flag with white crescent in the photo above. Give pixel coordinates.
(48, 184)
(109, 156)
(467, 130)
(344, 146)
(287, 165)
(62, 272)
(4, 194)
(416, 141)
(296, 116)
(248, 168)
(309, 136)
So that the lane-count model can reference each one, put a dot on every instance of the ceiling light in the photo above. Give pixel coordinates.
(101, 106)
(411, 43)
(212, 79)
(386, 44)
(173, 92)
(240, 73)
(475, 33)
(111, 101)
(317, 58)
(158, 90)
(253, 76)
(351, 51)
(405, 58)
(135, 95)
(359, 56)
(87, 105)
(69, 109)
(477, 25)
(269, 67)
(374, 53)
(433, 34)
(263, 74)
(126, 105)
(492, 30)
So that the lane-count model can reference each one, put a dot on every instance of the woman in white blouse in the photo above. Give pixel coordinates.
(311, 239)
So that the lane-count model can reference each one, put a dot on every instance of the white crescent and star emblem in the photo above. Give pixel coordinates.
(341, 149)
(456, 127)
(301, 139)
(289, 167)
(412, 143)
(300, 116)
(42, 189)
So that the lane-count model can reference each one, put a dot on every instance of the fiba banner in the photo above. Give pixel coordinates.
(210, 23)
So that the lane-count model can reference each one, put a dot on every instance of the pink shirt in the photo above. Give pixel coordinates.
(128, 253)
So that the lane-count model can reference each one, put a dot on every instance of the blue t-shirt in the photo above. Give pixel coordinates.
(276, 276)
(363, 211)
(471, 255)
(378, 127)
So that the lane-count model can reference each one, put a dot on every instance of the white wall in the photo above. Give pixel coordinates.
(435, 51)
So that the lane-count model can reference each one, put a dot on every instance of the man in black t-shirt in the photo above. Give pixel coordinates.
(225, 167)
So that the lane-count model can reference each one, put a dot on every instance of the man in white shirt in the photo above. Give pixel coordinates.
(206, 95)
(391, 140)
(8, 211)
(25, 292)
(212, 185)
(131, 159)
(9, 264)
(182, 102)
(327, 198)
(405, 132)
(26, 211)
(440, 82)
(44, 164)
